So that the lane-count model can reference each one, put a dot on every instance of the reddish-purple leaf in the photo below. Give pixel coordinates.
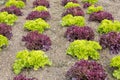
(5, 30)
(86, 5)
(37, 41)
(75, 11)
(64, 2)
(38, 14)
(111, 41)
(78, 33)
(86, 70)
(12, 10)
(41, 3)
(99, 16)
(22, 77)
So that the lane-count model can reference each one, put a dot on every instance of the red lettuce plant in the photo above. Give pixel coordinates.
(75, 33)
(86, 5)
(6, 30)
(99, 16)
(12, 10)
(86, 70)
(22, 77)
(111, 41)
(41, 3)
(64, 2)
(75, 11)
(36, 41)
(38, 14)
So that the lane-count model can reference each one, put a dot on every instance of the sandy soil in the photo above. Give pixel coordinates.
(57, 53)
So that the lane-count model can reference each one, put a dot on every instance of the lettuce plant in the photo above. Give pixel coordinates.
(22, 77)
(30, 59)
(78, 33)
(36, 25)
(75, 11)
(86, 5)
(71, 4)
(90, 1)
(12, 10)
(64, 2)
(116, 74)
(41, 3)
(9, 19)
(5, 30)
(111, 41)
(83, 49)
(3, 41)
(18, 4)
(70, 20)
(86, 70)
(38, 14)
(36, 41)
(40, 8)
(115, 62)
(100, 15)
(92, 9)
(107, 26)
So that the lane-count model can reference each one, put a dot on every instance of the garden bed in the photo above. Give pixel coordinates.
(57, 53)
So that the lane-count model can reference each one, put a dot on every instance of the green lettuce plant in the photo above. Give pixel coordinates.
(3, 41)
(107, 26)
(116, 74)
(18, 4)
(30, 59)
(70, 20)
(115, 62)
(40, 8)
(92, 9)
(9, 19)
(36, 25)
(83, 49)
(71, 4)
(90, 1)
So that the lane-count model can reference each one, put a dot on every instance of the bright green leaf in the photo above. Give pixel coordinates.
(71, 4)
(90, 1)
(107, 26)
(36, 25)
(92, 9)
(40, 8)
(3, 41)
(70, 20)
(9, 19)
(83, 49)
(30, 59)
(18, 4)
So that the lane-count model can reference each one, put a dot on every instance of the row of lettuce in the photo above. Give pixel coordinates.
(35, 41)
(83, 46)
(8, 17)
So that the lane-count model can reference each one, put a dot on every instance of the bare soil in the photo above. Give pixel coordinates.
(57, 53)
